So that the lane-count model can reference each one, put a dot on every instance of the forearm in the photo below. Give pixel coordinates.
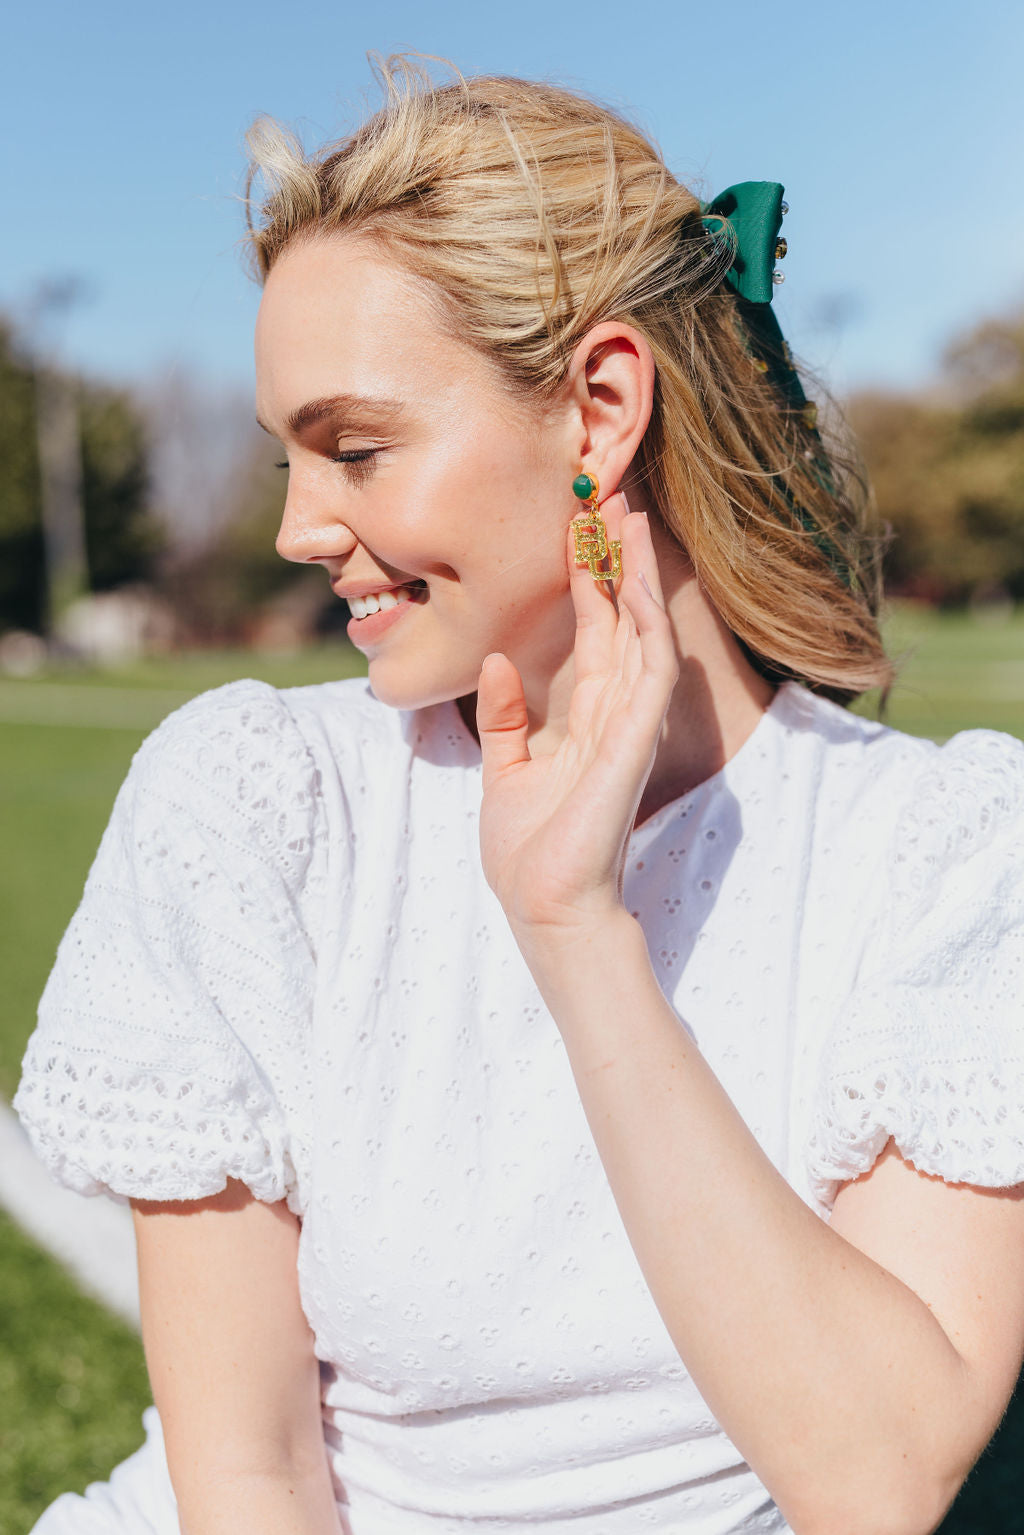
(273, 1503)
(829, 1374)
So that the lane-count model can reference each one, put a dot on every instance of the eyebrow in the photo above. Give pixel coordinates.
(356, 409)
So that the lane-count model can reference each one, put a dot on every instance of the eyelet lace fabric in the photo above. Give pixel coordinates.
(173, 1033)
(929, 1049)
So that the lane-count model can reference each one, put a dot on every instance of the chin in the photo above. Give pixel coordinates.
(403, 689)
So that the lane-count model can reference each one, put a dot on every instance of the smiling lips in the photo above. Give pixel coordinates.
(378, 602)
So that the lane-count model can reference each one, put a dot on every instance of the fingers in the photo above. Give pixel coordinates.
(597, 617)
(501, 717)
(641, 594)
(640, 556)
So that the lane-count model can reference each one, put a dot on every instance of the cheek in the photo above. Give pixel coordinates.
(489, 506)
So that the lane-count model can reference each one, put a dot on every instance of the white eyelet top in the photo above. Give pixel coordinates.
(288, 968)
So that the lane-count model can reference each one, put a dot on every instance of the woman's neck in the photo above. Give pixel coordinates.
(717, 703)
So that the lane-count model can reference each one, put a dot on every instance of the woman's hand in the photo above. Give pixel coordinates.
(554, 830)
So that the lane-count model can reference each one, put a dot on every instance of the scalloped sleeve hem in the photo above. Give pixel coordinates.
(929, 1049)
(961, 1125)
(134, 1135)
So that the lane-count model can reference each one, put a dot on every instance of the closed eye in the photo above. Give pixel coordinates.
(354, 456)
(360, 462)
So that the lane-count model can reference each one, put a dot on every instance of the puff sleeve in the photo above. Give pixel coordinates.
(929, 1049)
(171, 1050)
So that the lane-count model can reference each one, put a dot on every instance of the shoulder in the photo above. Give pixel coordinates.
(962, 818)
(232, 773)
(244, 723)
(928, 1048)
(373, 758)
(344, 720)
(849, 748)
(927, 807)
(248, 736)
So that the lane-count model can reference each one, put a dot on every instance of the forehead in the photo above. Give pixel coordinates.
(338, 316)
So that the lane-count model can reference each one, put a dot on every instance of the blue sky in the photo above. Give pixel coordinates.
(896, 128)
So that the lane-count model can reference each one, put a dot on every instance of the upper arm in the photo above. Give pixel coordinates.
(960, 1248)
(229, 1350)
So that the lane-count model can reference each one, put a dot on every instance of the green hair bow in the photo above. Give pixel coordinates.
(754, 211)
(749, 217)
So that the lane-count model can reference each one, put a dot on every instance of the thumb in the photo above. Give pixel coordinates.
(501, 718)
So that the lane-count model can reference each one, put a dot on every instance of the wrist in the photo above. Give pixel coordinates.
(565, 950)
(599, 986)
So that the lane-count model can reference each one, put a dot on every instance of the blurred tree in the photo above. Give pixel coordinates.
(21, 532)
(948, 470)
(203, 438)
(122, 537)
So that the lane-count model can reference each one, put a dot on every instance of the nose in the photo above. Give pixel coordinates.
(311, 526)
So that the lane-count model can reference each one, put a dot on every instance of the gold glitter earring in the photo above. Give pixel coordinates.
(592, 542)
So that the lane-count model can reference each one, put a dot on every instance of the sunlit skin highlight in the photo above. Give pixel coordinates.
(468, 488)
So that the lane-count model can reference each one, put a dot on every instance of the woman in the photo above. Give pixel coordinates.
(567, 1083)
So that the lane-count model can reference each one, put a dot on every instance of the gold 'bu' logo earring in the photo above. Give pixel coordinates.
(592, 541)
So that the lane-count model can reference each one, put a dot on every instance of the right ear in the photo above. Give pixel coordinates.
(611, 382)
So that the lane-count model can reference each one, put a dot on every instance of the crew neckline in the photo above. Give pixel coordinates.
(769, 716)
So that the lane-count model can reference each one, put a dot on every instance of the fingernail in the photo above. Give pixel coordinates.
(625, 503)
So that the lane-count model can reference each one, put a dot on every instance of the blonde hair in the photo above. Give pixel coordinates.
(535, 214)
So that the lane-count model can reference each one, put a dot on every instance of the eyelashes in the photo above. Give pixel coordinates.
(359, 463)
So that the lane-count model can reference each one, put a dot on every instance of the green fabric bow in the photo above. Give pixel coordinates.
(753, 210)
(749, 216)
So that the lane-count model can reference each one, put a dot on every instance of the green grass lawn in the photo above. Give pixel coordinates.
(956, 673)
(72, 1385)
(72, 1381)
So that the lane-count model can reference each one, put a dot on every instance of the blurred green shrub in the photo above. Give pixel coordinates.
(123, 539)
(947, 468)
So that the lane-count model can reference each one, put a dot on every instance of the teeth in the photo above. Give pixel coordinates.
(376, 602)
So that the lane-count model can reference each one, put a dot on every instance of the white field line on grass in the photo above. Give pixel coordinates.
(91, 1237)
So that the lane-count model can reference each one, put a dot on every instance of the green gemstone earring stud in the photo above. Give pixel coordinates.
(585, 487)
